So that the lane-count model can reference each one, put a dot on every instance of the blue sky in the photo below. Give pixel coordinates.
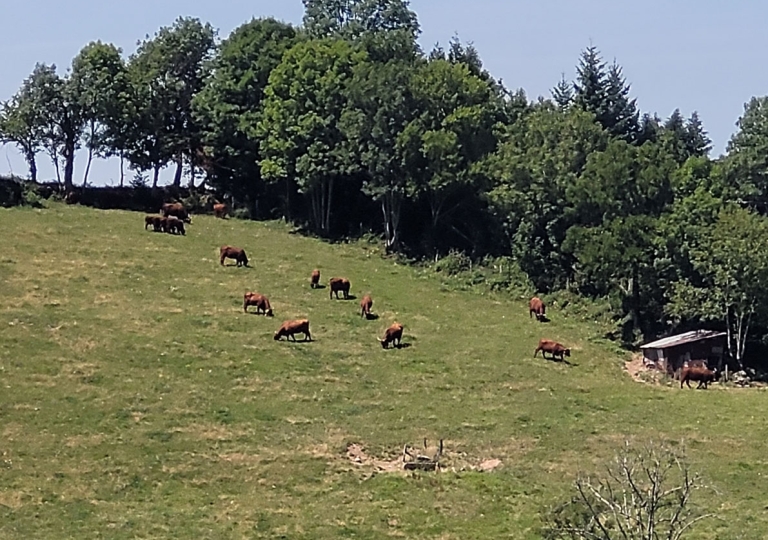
(695, 55)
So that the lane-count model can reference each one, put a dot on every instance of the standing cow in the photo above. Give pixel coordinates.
(365, 306)
(220, 210)
(290, 328)
(553, 348)
(393, 335)
(699, 373)
(339, 284)
(260, 301)
(314, 279)
(231, 252)
(537, 307)
(176, 210)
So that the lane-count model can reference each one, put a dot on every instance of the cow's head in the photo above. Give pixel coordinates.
(568, 352)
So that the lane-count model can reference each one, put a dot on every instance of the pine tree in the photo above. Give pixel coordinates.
(649, 129)
(605, 93)
(697, 141)
(590, 86)
(621, 114)
(562, 93)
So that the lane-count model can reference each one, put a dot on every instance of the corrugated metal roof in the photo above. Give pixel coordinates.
(682, 339)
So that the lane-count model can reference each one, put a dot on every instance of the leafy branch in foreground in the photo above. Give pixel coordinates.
(645, 495)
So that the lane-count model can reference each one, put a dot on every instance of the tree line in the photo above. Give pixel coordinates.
(344, 125)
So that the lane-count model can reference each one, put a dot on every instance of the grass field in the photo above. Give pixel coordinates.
(139, 401)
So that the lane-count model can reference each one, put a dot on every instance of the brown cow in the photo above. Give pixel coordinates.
(260, 301)
(220, 210)
(152, 220)
(290, 328)
(230, 252)
(553, 348)
(697, 373)
(176, 209)
(365, 306)
(174, 225)
(314, 279)
(391, 335)
(537, 307)
(339, 284)
(163, 224)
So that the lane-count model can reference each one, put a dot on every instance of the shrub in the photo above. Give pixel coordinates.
(454, 263)
(31, 195)
(645, 494)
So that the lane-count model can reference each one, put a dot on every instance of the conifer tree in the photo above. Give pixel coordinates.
(562, 93)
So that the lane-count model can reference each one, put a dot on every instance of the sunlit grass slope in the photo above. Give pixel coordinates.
(139, 401)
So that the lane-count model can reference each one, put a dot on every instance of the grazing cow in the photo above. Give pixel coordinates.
(697, 373)
(260, 301)
(365, 306)
(391, 335)
(174, 225)
(230, 252)
(177, 210)
(553, 348)
(220, 210)
(537, 307)
(152, 220)
(290, 328)
(162, 223)
(339, 284)
(314, 279)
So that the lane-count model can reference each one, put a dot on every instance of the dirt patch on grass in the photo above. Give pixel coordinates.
(640, 373)
(450, 461)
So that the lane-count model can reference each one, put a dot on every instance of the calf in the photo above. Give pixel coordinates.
(290, 328)
(536, 307)
(339, 284)
(314, 279)
(259, 300)
(220, 210)
(176, 210)
(393, 335)
(230, 252)
(697, 373)
(174, 225)
(365, 306)
(553, 348)
(149, 220)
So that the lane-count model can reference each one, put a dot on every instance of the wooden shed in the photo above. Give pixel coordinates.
(670, 353)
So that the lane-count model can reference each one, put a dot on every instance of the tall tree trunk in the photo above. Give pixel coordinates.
(177, 175)
(88, 166)
(122, 168)
(390, 208)
(156, 174)
(287, 200)
(32, 162)
(69, 162)
(329, 201)
(91, 138)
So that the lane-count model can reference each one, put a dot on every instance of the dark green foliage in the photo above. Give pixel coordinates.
(166, 72)
(562, 94)
(352, 19)
(605, 94)
(227, 109)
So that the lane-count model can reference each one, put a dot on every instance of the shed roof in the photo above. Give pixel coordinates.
(682, 339)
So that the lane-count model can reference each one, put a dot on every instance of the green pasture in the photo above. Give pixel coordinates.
(139, 401)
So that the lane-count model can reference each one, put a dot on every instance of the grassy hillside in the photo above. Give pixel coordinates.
(139, 401)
